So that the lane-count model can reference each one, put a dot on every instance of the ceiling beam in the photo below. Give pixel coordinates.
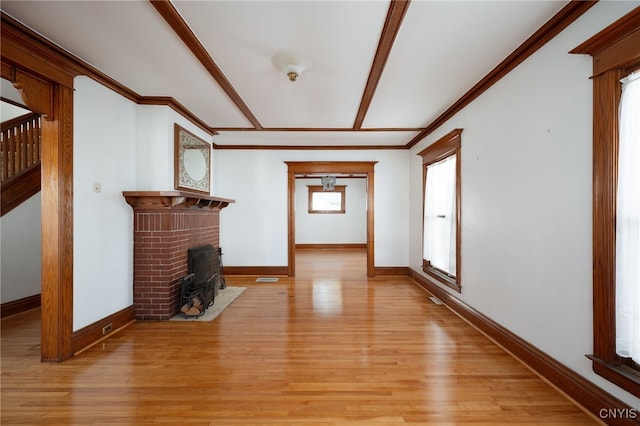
(395, 15)
(180, 27)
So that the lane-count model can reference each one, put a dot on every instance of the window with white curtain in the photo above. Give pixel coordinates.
(439, 215)
(441, 209)
(616, 184)
(628, 223)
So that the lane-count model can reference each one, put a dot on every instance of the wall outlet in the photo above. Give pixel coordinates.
(107, 328)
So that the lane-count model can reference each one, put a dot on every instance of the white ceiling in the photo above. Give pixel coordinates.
(442, 49)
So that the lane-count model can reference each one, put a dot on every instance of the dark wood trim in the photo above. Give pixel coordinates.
(310, 148)
(180, 27)
(18, 306)
(291, 222)
(332, 246)
(18, 120)
(581, 390)
(35, 92)
(345, 176)
(330, 167)
(321, 129)
(64, 60)
(20, 188)
(614, 50)
(606, 94)
(442, 148)
(93, 333)
(165, 200)
(12, 77)
(441, 276)
(57, 228)
(395, 15)
(392, 270)
(56, 62)
(371, 243)
(449, 144)
(45, 76)
(256, 270)
(565, 17)
(345, 167)
(622, 376)
(605, 38)
(24, 47)
(624, 55)
(177, 107)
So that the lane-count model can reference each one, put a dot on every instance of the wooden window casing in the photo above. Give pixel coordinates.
(616, 53)
(448, 145)
(340, 189)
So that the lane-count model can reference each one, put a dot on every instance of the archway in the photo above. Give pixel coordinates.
(328, 167)
(45, 82)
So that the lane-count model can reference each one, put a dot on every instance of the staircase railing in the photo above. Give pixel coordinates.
(20, 172)
(20, 140)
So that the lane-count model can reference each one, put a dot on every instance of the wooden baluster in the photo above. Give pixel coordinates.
(3, 142)
(11, 164)
(7, 153)
(3, 169)
(26, 148)
(23, 147)
(29, 146)
(34, 141)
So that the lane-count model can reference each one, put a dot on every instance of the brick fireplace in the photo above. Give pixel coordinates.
(165, 225)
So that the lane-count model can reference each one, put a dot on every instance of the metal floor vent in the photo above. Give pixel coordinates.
(436, 300)
(266, 280)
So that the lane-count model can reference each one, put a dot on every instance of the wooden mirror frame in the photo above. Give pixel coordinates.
(184, 140)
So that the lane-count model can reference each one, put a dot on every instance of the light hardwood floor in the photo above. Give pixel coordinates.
(329, 346)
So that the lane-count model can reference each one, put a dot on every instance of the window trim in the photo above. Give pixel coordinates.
(615, 54)
(318, 188)
(448, 145)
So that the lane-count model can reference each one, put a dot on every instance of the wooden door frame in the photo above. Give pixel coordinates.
(44, 79)
(329, 167)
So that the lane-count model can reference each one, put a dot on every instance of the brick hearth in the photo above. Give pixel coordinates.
(165, 225)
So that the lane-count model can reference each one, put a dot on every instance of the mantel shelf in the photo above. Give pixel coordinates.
(164, 200)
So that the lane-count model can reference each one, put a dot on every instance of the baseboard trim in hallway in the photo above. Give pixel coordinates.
(589, 396)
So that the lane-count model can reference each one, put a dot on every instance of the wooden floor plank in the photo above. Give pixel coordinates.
(329, 346)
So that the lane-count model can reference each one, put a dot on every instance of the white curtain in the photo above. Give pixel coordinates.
(440, 215)
(628, 222)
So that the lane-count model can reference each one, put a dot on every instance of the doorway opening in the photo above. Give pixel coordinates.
(364, 168)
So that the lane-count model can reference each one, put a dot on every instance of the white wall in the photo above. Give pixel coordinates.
(155, 146)
(21, 257)
(253, 231)
(19, 229)
(526, 198)
(120, 146)
(347, 228)
(10, 111)
(104, 154)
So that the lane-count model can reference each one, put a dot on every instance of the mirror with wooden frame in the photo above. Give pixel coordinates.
(192, 157)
